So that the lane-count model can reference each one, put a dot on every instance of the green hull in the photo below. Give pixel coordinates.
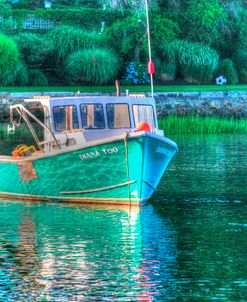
(119, 172)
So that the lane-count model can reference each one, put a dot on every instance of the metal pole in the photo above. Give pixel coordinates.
(149, 47)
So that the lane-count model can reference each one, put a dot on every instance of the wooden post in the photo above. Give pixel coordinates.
(117, 87)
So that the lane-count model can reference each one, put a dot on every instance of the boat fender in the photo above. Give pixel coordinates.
(143, 126)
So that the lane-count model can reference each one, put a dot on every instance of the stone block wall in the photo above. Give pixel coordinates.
(224, 104)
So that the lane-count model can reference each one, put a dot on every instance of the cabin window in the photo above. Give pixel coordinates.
(92, 116)
(144, 113)
(65, 118)
(118, 115)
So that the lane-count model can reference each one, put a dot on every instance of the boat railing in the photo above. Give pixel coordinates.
(25, 114)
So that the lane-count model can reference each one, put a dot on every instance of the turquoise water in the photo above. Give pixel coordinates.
(189, 244)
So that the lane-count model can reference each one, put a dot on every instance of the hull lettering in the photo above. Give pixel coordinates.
(164, 151)
(94, 154)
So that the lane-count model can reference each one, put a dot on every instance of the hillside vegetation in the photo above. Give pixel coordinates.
(86, 43)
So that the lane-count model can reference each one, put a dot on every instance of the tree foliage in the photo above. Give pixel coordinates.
(75, 3)
(129, 35)
(5, 7)
(163, 31)
(185, 35)
(29, 4)
(203, 19)
(33, 48)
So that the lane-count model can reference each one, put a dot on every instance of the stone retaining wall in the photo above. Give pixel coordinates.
(225, 104)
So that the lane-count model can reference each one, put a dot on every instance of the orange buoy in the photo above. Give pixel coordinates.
(143, 126)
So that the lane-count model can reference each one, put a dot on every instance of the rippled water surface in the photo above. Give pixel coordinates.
(189, 244)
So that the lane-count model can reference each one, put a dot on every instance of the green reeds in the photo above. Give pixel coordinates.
(172, 124)
(196, 124)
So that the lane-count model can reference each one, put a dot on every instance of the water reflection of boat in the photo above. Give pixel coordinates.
(65, 252)
(94, 149)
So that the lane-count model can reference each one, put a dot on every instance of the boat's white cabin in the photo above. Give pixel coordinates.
(78, 120)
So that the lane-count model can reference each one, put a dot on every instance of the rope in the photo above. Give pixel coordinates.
(126, 134)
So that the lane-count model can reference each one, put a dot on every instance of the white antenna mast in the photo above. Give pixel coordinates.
(150, 63)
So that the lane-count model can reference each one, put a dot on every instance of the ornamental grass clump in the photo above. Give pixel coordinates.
(68, 39)
(94, 66)
(197, 62)
(9, 60)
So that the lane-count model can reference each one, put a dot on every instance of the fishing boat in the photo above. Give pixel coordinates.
(93, 150)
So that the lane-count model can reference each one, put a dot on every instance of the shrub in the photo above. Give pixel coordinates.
(135, 74)
(198, 62)
(227, 69)
(240, 59)
(21, 76)
(37, 78)
(68, 39)
(33, 48)
(165, 71)
(9, 59)
(94, 66)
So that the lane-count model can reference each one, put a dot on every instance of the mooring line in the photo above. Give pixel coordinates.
(126, 134)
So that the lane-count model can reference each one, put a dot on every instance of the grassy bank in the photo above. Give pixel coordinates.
(173, 124)
(112, 89)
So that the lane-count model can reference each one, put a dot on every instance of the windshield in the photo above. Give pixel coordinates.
(118, 115)
(92, 116)
(65, 118)
(144, 113)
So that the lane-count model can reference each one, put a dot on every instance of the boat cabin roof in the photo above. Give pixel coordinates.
(61, 101)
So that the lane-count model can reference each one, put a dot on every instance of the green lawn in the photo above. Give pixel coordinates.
(102, 89)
